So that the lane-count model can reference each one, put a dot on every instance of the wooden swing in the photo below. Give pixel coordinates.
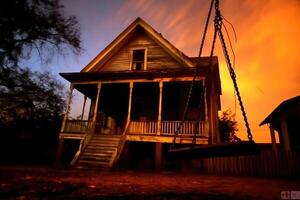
(215, 150)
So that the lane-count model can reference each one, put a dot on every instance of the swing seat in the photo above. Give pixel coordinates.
(215, 150)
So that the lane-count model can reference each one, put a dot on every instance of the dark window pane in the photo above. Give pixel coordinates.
(138, 59)
(138, 55)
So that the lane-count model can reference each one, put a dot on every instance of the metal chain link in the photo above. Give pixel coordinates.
(217, 31)
(218, 26)
(179, 127)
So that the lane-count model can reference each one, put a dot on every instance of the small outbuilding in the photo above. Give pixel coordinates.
(285, 119)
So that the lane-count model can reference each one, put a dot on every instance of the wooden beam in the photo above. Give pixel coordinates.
(273, 139)
(141, 80)
(129, 102)
(285, 135)
(165, 139)
(159, 107)
(158, 155)
(83, 107)
(204, 98)
(97, 103)
(67, 107)
(71, 136)
(59, 152)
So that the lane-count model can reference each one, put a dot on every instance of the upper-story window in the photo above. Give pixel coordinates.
(138, 59)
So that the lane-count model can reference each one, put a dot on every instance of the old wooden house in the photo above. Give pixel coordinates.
(138, 87)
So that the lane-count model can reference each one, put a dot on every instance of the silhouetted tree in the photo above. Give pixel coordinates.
(28, 95)
(31, 109)
(31, 103)
(35, 24)
(228, 127)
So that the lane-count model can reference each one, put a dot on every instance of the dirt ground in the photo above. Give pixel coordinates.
(49, 183)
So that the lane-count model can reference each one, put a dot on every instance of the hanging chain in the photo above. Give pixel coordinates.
(202, 92)
(218, 26)
(217, 31)
(179, 127)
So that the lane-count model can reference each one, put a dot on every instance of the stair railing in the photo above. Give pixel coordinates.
(121, 145)
(83, 143)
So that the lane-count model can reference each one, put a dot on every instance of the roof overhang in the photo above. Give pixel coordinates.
(81, 77)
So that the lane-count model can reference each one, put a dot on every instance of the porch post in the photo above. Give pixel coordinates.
(272, 133)
(285, 135)
(83, 107)
(158, 155)
(158, 145)
(67, 108)
(129, 103)
(96, 103)
(159, 108)
(206, 124)
(59, 152)
(212, 98)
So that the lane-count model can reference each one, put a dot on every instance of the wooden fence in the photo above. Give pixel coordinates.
(267, 163)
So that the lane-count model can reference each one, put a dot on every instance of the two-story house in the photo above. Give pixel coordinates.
(138, 87)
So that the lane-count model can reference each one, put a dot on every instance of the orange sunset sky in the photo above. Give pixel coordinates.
(266, 50)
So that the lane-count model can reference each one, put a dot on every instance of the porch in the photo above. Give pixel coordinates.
(147, 111)
(144, 111)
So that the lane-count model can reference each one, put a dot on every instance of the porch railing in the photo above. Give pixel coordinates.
(168, 128)
(187, 128)
(143, 127)
(77, 126)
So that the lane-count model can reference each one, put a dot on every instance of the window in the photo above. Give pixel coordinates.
(138, 59)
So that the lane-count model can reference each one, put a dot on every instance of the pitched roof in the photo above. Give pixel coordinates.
(290, 104)
(117, 43)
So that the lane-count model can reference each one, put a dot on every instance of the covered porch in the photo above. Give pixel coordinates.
(141, 111)
(143, 107)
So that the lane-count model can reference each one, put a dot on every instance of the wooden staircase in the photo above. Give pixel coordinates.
(100, 152)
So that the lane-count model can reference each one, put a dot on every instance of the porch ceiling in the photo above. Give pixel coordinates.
(89, 90)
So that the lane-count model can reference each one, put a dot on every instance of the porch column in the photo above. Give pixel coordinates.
(83, 107)
(158, 155)
(212, 98)
(129, 103)
(206, 125)
(273, 139)
(59, 152)
(159, 107)
(158, 145)
(285, 135)
(97, 103)
(67, 108)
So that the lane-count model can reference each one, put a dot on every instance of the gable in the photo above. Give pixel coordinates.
(157, 57)
(115, 48)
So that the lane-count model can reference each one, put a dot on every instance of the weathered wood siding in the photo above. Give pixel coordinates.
(157, 57)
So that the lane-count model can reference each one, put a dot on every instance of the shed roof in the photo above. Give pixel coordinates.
(285, 106)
